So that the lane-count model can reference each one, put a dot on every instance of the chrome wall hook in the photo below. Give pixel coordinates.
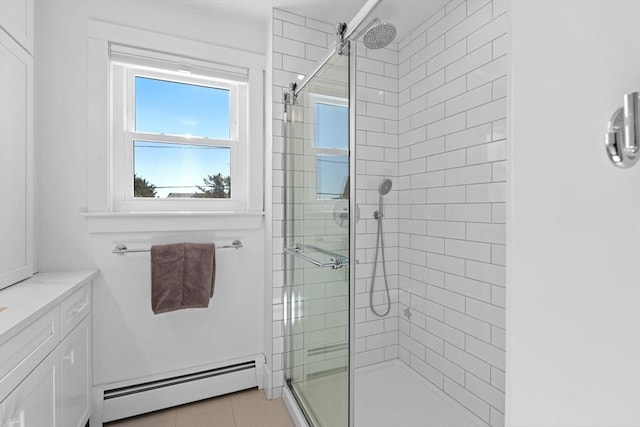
(623, 133)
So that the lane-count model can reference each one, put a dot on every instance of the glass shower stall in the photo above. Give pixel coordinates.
(317, 240)
(392, 222)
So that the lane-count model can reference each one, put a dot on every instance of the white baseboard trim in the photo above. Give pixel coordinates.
(267, 381)
(260, 368)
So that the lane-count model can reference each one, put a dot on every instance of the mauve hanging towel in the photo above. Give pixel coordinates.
(182, 276)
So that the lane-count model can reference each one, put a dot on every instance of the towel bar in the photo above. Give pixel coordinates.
(122, 249)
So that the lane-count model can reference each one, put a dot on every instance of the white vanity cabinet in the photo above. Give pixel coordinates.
(76, 375)
(35, 401)
(30, 374)
(75, 351)
(45, 360)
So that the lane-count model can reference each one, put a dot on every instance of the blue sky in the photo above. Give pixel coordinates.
(331, 131)
(335, 133)
(331, 176)
(180, 109)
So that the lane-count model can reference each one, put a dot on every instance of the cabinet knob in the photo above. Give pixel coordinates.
(78, 308)
(71, 357)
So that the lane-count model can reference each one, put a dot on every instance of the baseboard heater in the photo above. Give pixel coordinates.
(124, 402)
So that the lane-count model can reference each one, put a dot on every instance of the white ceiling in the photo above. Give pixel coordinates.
(406, 15)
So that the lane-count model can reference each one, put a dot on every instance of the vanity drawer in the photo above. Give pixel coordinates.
(74, 309)
(22, 353)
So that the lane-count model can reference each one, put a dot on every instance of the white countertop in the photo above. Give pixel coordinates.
(33, 297)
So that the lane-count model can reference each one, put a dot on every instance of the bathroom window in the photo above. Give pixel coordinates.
(179, 137)
(332, 177)
(332, 126)
(331, 143)
(209, 131)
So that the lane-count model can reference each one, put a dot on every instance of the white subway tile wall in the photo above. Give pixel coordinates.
(431, 116)
(376, 159)
(452, 119)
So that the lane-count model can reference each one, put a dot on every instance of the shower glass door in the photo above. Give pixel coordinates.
(317, 246)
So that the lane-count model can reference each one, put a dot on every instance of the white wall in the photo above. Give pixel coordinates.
(61, 104)
(148, 345)
(573, 349)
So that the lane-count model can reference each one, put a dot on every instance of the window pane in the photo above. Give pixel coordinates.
(165, 170)
(167, 107)
(332, 126)
(332, 173)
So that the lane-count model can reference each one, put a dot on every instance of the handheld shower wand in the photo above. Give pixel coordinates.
(383, 189)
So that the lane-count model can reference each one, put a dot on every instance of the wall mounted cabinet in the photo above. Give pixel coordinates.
(16, 141)
(16, 18)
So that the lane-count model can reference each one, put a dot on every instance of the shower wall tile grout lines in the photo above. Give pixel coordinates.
(452, 156)
(431, 115)
(376, 159)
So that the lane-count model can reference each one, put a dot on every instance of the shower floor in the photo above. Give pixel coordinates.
(390, 394)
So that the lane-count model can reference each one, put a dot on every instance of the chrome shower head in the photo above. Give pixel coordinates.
(385, 187)
(379, 35)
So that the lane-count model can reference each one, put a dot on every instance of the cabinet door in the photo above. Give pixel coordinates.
(76, 375)
(16, 17)
(36, 401)
(16, 142)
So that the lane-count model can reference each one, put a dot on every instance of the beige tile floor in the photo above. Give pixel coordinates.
(243, 409)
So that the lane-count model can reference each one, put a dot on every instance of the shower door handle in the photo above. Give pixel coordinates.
(622, 138)
(336, 262)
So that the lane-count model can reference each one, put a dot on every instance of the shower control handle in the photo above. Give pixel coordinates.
(622, 138)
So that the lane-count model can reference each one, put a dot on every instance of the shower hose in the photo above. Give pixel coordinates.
(379, 245)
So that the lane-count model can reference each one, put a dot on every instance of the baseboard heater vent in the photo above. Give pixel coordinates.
(153, 385)
(124, 402)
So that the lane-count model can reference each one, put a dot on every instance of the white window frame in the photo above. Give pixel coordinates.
(314, 99)
(101, 214)
(124, 134)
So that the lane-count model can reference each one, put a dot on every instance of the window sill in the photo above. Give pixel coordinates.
(131, 222)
